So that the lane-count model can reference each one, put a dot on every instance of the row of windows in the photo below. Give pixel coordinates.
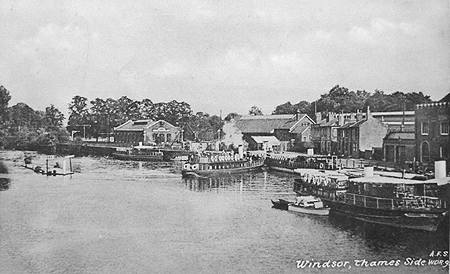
(443, 128)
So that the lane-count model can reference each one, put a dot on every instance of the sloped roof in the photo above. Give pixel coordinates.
(353, 124)
(325, 123)
(265, 123)
(446, 98)
(268, 123)
(272, 140)
(138, 125)
(401, 135)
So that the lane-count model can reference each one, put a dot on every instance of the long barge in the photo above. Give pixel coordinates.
(289, 164)
(401, 203)
(220, 164)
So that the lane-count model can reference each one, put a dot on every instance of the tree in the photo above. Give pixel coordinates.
(254, 110)
(231, 116)
(4, 100)
(78, 111)
(23, 116)
(53, 117)
(147, 109)
(286, 108)
(98, 117)
(340, 99)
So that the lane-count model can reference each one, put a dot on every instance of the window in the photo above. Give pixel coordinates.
(425, 128)
(444, 128)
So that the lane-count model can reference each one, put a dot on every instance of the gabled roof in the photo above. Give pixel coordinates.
(265, 123)
(268, 123)
(159, 121)
(446, 98)
(131, 125)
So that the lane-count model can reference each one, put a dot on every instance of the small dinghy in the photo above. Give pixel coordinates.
(309, 205)
(281, 204)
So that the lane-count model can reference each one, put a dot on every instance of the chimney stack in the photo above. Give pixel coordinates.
(318, 117)
(359, 115)
(341, 119)
(297, 115)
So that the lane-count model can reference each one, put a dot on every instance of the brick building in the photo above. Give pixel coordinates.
(432, 131)
(147, 132)
(324, 132)
(399, 147)
(362, 137)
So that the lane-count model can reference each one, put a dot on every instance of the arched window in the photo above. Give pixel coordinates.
(425, 152)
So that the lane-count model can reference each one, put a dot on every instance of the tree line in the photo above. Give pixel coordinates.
(97, 118)
(340, 99)
(25, 128)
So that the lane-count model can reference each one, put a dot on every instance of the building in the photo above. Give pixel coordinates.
(399, 147)
(432, 131)
(148, 132)
(324, 132)
(361, 137)
(288, 129)
(397, 120)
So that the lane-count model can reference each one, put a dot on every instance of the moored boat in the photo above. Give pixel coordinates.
(138, 154)
(402, 203)
(309, 205)
(280, 204)
(288, 163)
(225, 163)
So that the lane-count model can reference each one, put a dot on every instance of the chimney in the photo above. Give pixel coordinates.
(341, 119)
(298, 115)
(331, 116)
(359, 115)
(318, 117)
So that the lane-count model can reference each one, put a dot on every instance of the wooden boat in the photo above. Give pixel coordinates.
(309, 205)
(401, 203)
(280, 204)
(217, 165)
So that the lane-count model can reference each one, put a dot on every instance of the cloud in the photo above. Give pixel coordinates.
(169, 69)
(380, 29)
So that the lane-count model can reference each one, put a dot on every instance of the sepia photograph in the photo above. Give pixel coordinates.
(201, 136)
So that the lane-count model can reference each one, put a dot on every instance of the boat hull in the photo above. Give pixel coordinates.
(312, 211)
(213, 172)
(416, 220)
(131, 157)
(280, 204)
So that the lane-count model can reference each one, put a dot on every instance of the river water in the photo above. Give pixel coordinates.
(128, 217)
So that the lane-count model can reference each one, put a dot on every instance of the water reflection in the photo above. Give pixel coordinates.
(5, 181)
(379, 237)
(223, 183)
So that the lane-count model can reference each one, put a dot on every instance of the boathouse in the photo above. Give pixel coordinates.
(147, 132)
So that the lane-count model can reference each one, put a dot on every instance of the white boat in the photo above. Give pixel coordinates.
(309, 205)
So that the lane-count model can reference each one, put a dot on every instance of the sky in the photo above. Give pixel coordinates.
(221, 55)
